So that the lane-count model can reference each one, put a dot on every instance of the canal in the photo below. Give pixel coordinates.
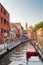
(18, 56)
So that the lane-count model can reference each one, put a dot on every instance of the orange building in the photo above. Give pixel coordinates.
(4, 24)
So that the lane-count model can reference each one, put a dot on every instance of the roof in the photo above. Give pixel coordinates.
(40, 30)
(4, 8)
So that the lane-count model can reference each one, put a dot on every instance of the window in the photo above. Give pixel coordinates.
(1, 19)
(7, 32)
(1, 41)
(2, 30)
(4, 12)
(5, 21)
(1, 9)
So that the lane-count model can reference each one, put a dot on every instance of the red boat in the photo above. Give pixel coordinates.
(31, 52)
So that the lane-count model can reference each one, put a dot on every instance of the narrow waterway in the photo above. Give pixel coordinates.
(18, 56)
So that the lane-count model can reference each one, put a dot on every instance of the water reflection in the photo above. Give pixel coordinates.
(18, 57)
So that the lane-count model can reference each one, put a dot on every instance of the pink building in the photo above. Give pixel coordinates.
(15, 32)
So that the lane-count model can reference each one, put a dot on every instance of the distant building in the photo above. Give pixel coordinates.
(19, 27)
(30, 33)
(4, 24)
(26, 26)
(15, 32)
(12, 31)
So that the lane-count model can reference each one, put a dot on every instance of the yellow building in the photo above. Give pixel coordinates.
(39, 34)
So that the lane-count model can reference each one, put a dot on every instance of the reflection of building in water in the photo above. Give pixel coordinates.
(40, 37)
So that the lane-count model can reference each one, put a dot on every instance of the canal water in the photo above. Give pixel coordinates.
(18, 56)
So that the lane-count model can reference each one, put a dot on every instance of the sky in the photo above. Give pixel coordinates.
(24, 11)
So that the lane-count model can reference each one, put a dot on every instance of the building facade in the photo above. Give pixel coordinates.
(4, 24)
(30, 33)
(4, 29)
(15, 32)
(39, 34)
